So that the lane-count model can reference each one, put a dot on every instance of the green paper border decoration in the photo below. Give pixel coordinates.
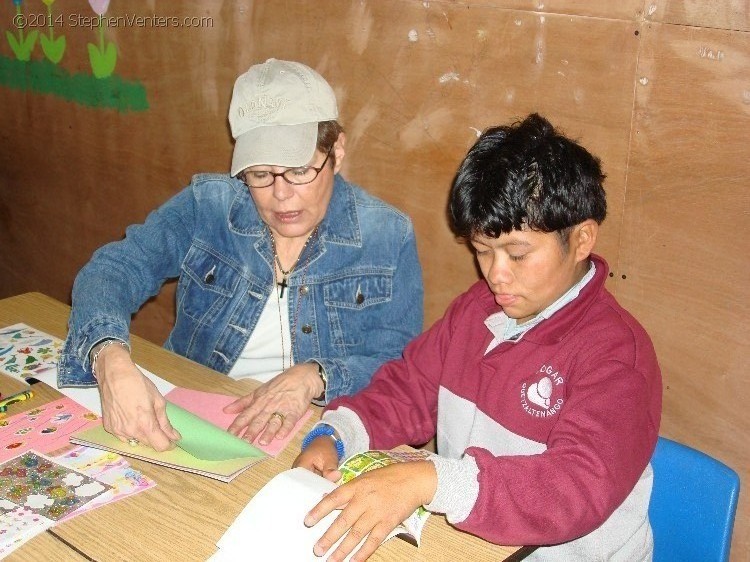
(44, 77)
(102, 88)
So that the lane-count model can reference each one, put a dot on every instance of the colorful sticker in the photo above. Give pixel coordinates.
(45, 487)
(372, 460)
(46, 431)
(18, 524)
(106, 467)
(26, 351)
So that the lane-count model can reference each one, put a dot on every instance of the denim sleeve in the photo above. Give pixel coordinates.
(397, 323)
(120, 278)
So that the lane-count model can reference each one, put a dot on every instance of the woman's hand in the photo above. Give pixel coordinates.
(272, 410)
(321, 458)
(131, 405)
(372, 505)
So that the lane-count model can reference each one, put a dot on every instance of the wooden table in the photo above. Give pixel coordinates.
(185, 514)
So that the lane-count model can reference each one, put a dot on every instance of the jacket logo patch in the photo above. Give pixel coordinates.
(538, 398)
(540, 392)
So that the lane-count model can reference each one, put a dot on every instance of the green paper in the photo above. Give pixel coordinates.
(204, 448)
(204, 440)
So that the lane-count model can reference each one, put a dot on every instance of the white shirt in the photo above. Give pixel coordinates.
(261, 358)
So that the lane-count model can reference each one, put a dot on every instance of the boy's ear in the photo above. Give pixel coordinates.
(584, 238)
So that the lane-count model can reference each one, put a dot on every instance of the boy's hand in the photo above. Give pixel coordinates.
(372, 505)
(321, 458)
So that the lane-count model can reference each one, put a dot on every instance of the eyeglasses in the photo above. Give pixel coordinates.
(295, 176)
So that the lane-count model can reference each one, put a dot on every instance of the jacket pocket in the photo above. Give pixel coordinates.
(352, 305)
(206, 284)
(359, 291)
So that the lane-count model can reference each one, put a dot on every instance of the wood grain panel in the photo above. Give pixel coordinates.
(78, 176)
(657, 88)
(416, 89)
(415, 84)
(727, 14)
(686, 236)
(627, 9)
(43, 548)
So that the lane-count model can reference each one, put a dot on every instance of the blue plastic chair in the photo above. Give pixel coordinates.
(693, 504)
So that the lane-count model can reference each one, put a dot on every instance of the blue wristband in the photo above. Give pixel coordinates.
(321, 430)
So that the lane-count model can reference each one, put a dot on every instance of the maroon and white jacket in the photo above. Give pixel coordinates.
(541, 441)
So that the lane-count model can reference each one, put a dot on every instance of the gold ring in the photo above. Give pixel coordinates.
(133, 442)
(279, 415)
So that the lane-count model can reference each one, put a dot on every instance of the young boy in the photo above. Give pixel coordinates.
(544, 393)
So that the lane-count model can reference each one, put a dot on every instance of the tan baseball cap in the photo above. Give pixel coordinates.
(274, 114)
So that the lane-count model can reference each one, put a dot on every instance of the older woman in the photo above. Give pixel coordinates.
(286, 273)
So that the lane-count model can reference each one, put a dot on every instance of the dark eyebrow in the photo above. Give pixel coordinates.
(511, 242)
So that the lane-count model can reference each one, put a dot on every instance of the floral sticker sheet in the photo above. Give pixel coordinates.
(26, 351)
(45, 487)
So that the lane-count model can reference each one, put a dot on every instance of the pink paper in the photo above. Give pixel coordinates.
(106, 467)
(209, 406)
(45, 428)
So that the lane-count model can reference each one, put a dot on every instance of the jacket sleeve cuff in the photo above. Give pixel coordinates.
(457, 488)
(350, 430)
(338, 377)
(322, 362)
(74, 368)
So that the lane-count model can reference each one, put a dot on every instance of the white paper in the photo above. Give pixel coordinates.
(89, 397)
(271, 526)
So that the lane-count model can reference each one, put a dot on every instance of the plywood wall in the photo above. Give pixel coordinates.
(685, 235)
(659, 90)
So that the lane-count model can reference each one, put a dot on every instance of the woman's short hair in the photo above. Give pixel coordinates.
(526, 175)
(328, 133)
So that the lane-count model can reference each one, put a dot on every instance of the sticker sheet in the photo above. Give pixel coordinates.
(45, 487)
(411, 529)
(26, 351)
(18, 524)
(44, 429)
(109, 468)
(370, 460)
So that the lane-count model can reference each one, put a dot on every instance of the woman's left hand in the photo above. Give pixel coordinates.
(372, 505)
(273, 409)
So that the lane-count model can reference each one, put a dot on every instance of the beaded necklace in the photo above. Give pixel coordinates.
(285, 273)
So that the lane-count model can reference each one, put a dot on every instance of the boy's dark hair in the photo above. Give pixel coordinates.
(526, 174)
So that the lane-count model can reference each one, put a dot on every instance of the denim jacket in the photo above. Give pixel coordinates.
(358, 298)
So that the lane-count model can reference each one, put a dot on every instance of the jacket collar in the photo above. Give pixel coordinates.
(339, 226)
